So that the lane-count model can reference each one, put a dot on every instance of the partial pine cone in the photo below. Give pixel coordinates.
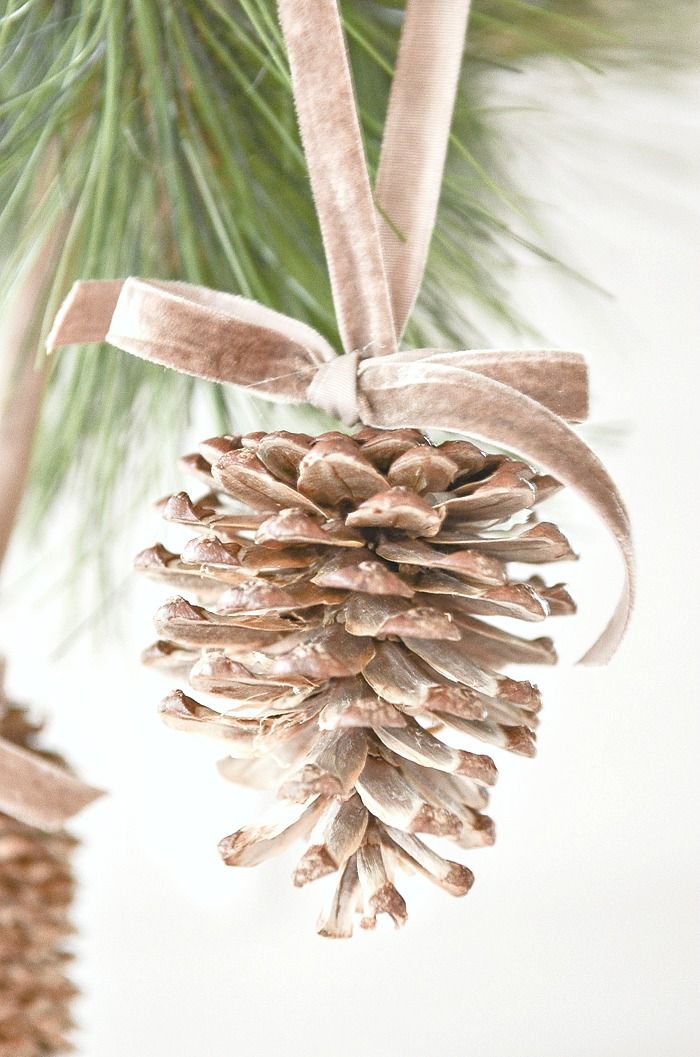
(36, 892)
(340, 585)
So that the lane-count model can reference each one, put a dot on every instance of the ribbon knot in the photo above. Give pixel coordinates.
(333, 388)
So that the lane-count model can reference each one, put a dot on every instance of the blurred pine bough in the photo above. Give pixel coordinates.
(159, 136)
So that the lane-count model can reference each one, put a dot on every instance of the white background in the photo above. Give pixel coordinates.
(580, 937)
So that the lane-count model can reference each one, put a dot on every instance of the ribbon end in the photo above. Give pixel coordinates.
(605, 647)
(54, 338)
(40, 793)
(82, 795)
(85, 314)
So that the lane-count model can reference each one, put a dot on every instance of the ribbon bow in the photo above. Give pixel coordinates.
(519, 399)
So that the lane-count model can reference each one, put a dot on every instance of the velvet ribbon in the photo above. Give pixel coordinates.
(518, 399)
(37, 792)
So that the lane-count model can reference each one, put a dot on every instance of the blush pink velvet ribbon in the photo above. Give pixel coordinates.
(37, 792)
(518, 399)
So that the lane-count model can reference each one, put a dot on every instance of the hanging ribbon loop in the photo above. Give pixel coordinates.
(330, 133)
(414, 145)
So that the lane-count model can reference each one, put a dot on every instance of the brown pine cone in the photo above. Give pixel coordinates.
(36, 891)
(343, 581)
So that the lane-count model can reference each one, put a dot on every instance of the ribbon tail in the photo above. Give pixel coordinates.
(37, 792)
(433, 396)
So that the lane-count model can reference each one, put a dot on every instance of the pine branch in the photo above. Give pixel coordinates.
(170, 135)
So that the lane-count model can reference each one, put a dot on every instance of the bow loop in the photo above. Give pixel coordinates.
(555, 378)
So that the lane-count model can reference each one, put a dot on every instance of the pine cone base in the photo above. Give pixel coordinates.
(339, 590)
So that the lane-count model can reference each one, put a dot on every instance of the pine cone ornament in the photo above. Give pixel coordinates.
(338, 588)
(36, 891)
